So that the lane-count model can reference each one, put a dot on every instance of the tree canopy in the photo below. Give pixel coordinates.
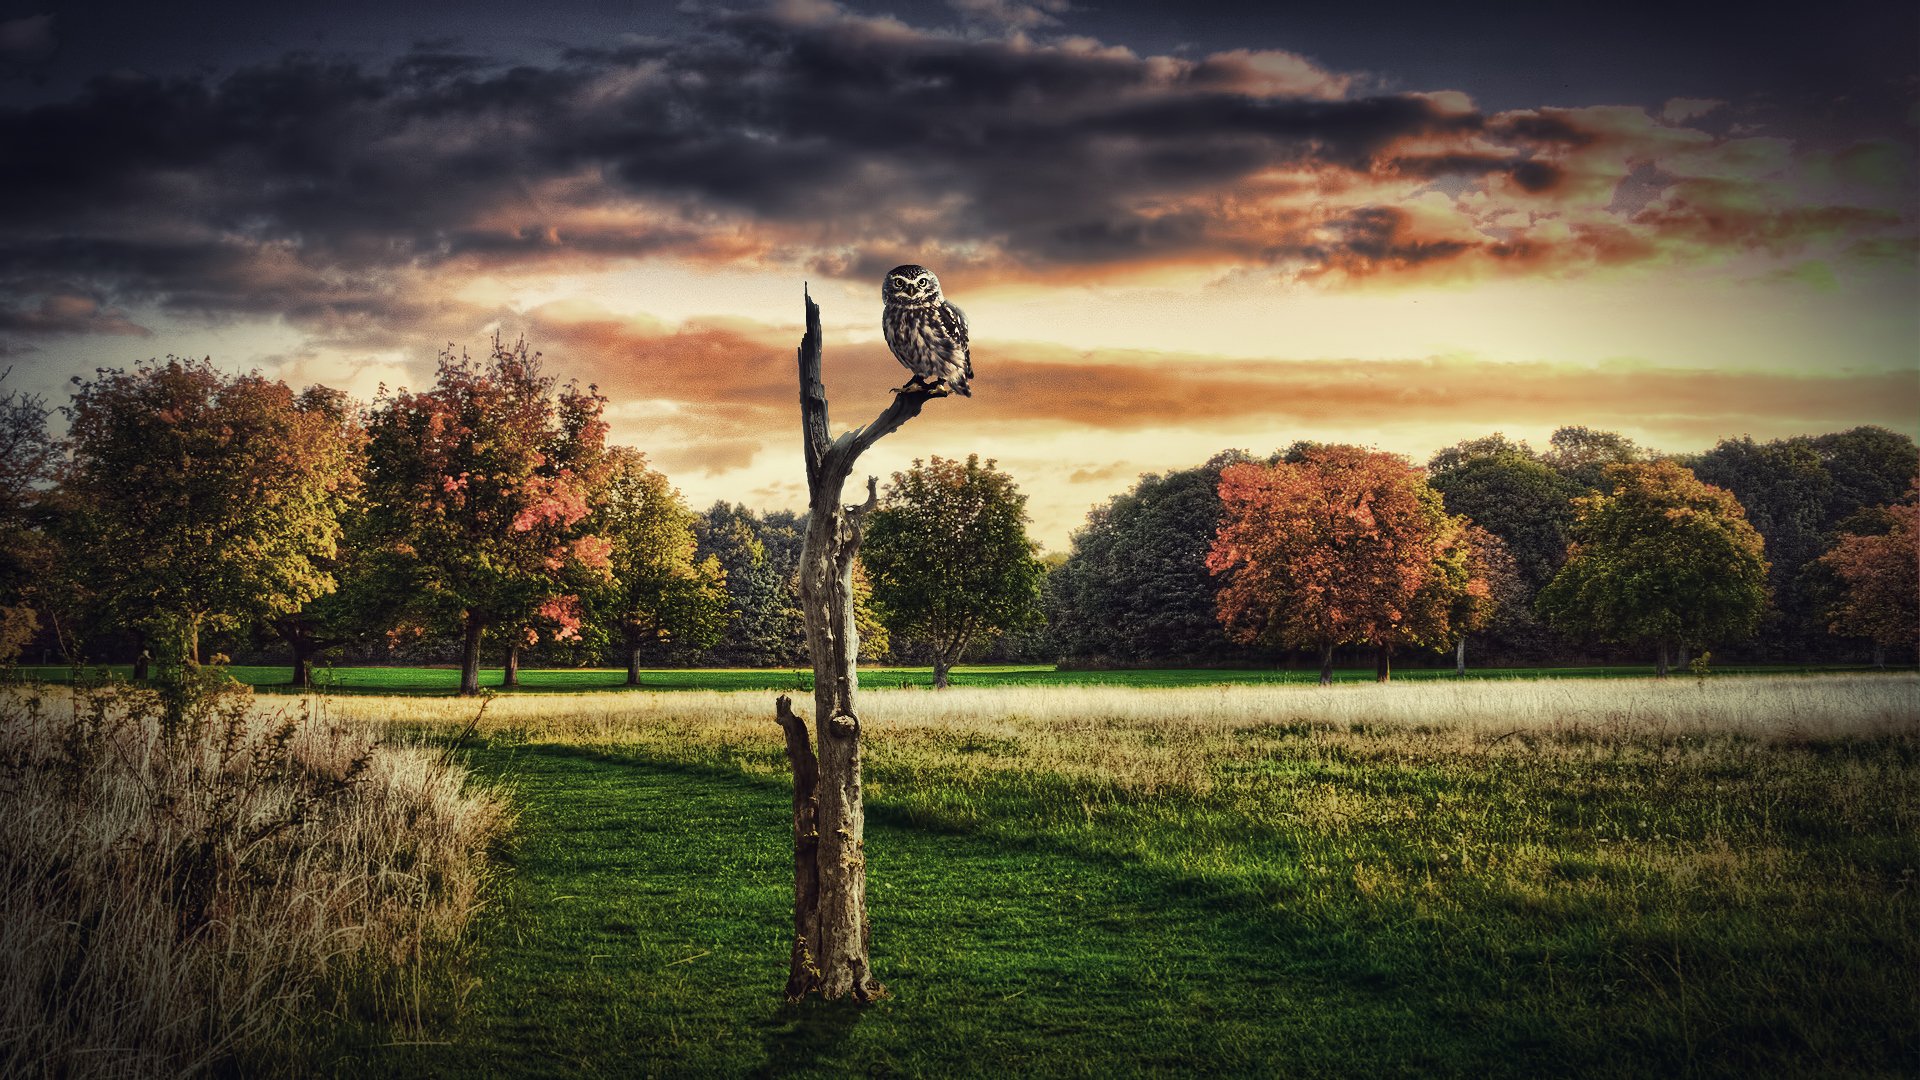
(1338, 545)
(1881, 575)
(199, 499)
(482, 487)
(1136, 585)
(1661, 559)
(656, 593)
(27, 454)
(949, 558)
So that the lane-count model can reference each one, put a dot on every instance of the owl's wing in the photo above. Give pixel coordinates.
(954, 322)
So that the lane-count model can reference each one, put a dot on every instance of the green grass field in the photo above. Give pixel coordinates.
(1512, 879)
(446, 680)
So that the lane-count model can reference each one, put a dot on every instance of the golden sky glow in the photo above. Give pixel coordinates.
(1161, 256)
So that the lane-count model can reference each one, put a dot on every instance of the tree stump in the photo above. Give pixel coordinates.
(830, 927)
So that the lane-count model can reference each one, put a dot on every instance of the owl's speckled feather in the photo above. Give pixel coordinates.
(927, 334)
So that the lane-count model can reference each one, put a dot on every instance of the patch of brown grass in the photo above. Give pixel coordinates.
(179, 894)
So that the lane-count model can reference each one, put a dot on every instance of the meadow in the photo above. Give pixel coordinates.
(1627, 877)
(1444, 877)
(445, 680)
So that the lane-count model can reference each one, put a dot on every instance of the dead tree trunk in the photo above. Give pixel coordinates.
(830, 927)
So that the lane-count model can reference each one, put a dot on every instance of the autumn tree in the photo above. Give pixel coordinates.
(27, 457)
(657, 594)
(1338, 545)
(950, 559)
(479, 488)
(200, 500)
(1661, 559)
(1881, 576)
(1496, 597)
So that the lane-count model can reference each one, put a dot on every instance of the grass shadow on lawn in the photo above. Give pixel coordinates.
(647, 928)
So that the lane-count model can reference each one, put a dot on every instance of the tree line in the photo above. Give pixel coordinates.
(1793, 550)
(489, 517)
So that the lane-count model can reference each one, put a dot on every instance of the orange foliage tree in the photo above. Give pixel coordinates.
(1882, 578)
(481, 489)
(1341, 545)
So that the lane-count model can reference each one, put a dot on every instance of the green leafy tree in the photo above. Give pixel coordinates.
(27, 457)
(1135, 585)
(1870, 466)
(1582, 455)
(1661, 559)
(479, 491)
(203, 501)
(341, 614)
(658, 594)
(1881, 575)
(1506, 489)
(763, 605)
(1800, 494)
(950, 559)
(1785, 488)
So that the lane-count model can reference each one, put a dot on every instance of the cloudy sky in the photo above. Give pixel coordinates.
(1174, 228)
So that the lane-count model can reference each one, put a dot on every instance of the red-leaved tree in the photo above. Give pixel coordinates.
(1339, 545)
(1882, 578)
(481, 488)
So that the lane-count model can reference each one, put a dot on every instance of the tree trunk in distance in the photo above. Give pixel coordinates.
(143, 659)
(633, 658)
(192, 657)
(940, 669)
(1326, 664)
(829, 954)
(302, 644)
(510, 675)
(470, 656)
(1660, 665)
(1383, 663)
(1879, 655)
(1460, 656)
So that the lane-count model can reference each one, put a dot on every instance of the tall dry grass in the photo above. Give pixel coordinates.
(1146, 740)
(179, 894)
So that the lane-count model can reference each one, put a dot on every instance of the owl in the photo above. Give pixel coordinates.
(925, 332)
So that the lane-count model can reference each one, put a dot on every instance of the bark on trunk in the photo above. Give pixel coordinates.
(1879, 655)
(1460, 656)
(1383, 663)
(803, 972)
(1660, 665)
(510, 675)
(191, 653)
(829, 954)
(142, 660)
(470, 656)
(940, 669)
(1326, 664)
(633, 659)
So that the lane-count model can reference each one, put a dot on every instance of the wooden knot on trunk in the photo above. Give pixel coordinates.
(844, 724)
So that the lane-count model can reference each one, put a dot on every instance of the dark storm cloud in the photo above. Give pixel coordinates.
(342, 196)
(293, 186)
